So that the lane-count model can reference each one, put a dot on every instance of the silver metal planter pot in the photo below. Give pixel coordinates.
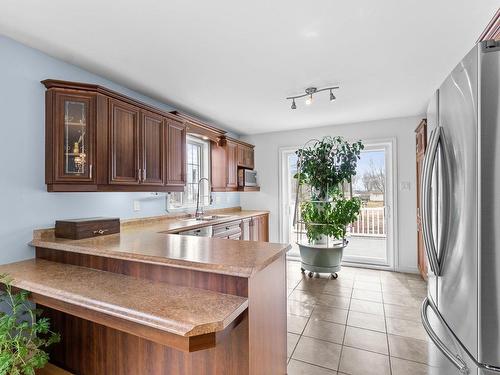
(322, 259)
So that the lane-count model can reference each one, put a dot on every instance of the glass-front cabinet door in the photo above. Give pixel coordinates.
(74, 137)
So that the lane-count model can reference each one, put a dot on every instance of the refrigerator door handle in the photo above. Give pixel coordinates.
(445, 174)
(425, 204)
(458, 362)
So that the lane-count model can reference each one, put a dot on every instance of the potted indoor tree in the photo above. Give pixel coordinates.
(326, 168)
(24, 334)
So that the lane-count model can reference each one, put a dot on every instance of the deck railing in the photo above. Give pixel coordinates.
(370, 223)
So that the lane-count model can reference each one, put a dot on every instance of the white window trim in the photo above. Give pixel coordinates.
(205, 172)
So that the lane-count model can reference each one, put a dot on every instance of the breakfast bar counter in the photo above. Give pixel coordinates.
(237, 258)
(243, 283)
(163, 308)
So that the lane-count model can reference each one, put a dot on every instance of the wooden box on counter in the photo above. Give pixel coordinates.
(77, 229)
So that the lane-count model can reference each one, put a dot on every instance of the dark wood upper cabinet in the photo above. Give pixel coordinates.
(70, 137)
(153, 149)
(224, 162)
(100, 140)
(245, 156)
(124, 141)
(218, 171)
(232, 165)
(227, 156)
(176, 150)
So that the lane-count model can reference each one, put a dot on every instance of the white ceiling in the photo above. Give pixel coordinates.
(234, 62)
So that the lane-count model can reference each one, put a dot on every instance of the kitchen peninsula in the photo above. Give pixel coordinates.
(175, 304)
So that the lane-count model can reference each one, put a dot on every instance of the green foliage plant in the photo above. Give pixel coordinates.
(24, 334)
(329, 218)
(325, 168)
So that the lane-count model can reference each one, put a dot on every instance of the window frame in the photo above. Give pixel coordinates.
(204, 172)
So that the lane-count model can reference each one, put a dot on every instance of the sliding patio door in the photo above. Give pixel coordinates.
(370, 237)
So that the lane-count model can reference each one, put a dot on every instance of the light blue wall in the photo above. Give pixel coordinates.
(24, 201)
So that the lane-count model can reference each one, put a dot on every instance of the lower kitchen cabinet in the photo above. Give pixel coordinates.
(259, 228)
(231, 230)
(245, 229)
(255, 228)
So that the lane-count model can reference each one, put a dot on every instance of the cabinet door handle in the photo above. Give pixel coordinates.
(144, 175)
(100, 231)
(90, 171)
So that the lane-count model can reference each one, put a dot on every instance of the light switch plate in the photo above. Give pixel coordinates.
(405, 185)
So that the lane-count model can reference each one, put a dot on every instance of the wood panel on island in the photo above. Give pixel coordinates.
(100, 140)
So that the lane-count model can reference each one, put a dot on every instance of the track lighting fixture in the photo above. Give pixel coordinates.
(309, 92)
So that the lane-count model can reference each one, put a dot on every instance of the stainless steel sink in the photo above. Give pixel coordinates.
(207, 217)
(212, 217)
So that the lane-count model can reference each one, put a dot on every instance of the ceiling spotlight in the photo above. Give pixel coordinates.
(309, 92)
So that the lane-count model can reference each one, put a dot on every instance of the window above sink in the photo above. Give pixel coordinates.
(197, 166)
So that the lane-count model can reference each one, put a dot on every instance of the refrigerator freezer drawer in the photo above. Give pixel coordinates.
(448, 356)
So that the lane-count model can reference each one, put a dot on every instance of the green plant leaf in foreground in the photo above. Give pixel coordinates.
(23, 335)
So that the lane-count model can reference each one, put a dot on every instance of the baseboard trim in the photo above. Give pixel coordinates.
(405, 269)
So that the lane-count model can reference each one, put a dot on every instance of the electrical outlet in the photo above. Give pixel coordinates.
(137, 206)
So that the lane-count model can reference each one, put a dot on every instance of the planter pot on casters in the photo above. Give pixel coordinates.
(322, 259)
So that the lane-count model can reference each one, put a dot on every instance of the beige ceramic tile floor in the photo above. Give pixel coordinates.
(365, 322)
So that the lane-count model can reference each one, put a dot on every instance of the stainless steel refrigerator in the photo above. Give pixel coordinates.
(461, 216)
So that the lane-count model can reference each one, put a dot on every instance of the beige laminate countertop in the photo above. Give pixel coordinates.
(179, 310)
(150, 241)
(176, 225)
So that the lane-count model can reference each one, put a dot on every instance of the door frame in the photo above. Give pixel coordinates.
(282, 215)
(388, 145)
(391, 162)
